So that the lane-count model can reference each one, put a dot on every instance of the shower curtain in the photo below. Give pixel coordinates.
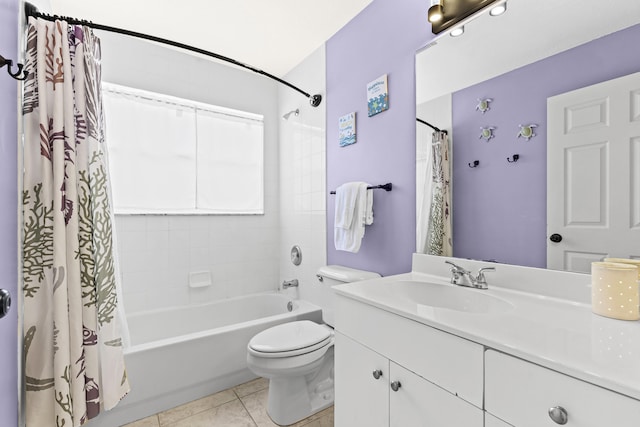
(435, 213)
(72, 354)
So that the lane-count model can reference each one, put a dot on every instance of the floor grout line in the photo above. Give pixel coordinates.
(245, 408)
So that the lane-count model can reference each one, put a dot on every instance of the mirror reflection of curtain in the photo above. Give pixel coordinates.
(434, 217)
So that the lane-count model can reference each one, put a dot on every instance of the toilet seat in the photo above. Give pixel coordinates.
(290, 339)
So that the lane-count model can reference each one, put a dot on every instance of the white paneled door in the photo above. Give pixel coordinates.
(593, 174)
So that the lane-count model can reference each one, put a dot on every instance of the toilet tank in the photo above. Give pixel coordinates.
(331, 275)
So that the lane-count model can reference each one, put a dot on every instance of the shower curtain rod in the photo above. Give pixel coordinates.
(430, 125)
(31, 10)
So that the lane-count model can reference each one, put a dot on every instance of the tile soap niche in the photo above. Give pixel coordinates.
(199, 279)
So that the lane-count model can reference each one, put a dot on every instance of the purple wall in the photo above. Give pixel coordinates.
(382, 39)
(8, 215)
(499, 208)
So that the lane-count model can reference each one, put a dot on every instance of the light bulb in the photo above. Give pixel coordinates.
(456, 32)
(436, 12)
(498, 10)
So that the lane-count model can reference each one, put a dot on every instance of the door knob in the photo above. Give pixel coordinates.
(377, 374)
(559, 415)
(5, 302)
(395, 386)
(555, 238)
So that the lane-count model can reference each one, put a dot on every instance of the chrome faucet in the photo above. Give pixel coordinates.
(463, 277)
(290, 284)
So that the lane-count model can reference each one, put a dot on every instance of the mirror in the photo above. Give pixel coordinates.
(536, 50)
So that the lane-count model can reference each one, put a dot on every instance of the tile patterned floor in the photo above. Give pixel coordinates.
(241, 406)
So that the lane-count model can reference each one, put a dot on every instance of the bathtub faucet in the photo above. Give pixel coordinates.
(290, 284)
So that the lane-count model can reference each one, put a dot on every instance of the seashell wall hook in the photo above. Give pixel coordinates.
(486, 133)
(526, 131)
(483, 105)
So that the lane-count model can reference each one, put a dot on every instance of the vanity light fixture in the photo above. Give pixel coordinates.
(436, 11)
(457, 32)
(499, 9)
(446, 14)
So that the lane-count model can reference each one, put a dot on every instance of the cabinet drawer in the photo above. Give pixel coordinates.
(452, 363)
(521, 393)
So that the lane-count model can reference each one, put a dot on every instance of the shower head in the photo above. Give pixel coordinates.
(295, 112)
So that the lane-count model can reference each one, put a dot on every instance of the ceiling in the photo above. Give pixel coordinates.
(272, 35)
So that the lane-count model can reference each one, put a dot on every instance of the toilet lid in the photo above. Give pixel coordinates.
(289, 337)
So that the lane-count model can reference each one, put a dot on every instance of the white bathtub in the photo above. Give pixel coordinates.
(184, 353)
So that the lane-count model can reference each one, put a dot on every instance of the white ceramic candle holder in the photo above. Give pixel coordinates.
(614, 290)
(635, 262)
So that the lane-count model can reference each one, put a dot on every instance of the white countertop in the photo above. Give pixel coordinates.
(557, 333)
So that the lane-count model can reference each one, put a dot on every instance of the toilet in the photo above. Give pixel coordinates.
(297, 357)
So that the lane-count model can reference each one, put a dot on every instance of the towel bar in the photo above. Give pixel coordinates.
(387, 187)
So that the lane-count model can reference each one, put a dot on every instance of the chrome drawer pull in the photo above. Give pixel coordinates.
(395, 386)
(377, 374)
(559, 415)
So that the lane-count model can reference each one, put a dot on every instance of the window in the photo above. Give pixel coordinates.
(172, 155)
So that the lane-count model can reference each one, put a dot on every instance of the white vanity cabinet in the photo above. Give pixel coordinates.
(522, 394)
(426, 377)
(534, 355)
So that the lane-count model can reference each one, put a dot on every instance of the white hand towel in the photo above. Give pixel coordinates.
(368, 214)
(350, 216)
(346, 199)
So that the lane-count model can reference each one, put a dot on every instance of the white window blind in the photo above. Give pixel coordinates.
(172, 155)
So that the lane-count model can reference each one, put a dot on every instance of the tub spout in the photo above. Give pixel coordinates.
(290, 284)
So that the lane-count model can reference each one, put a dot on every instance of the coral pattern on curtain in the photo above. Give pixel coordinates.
(73, 354)
(438, 237)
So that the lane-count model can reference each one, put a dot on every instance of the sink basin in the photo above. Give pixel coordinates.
(428, 295)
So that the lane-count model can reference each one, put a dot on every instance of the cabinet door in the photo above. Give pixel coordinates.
(418, 402)
(360, 398)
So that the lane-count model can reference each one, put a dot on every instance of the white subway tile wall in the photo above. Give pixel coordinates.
(303, 189)
(157, 253)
